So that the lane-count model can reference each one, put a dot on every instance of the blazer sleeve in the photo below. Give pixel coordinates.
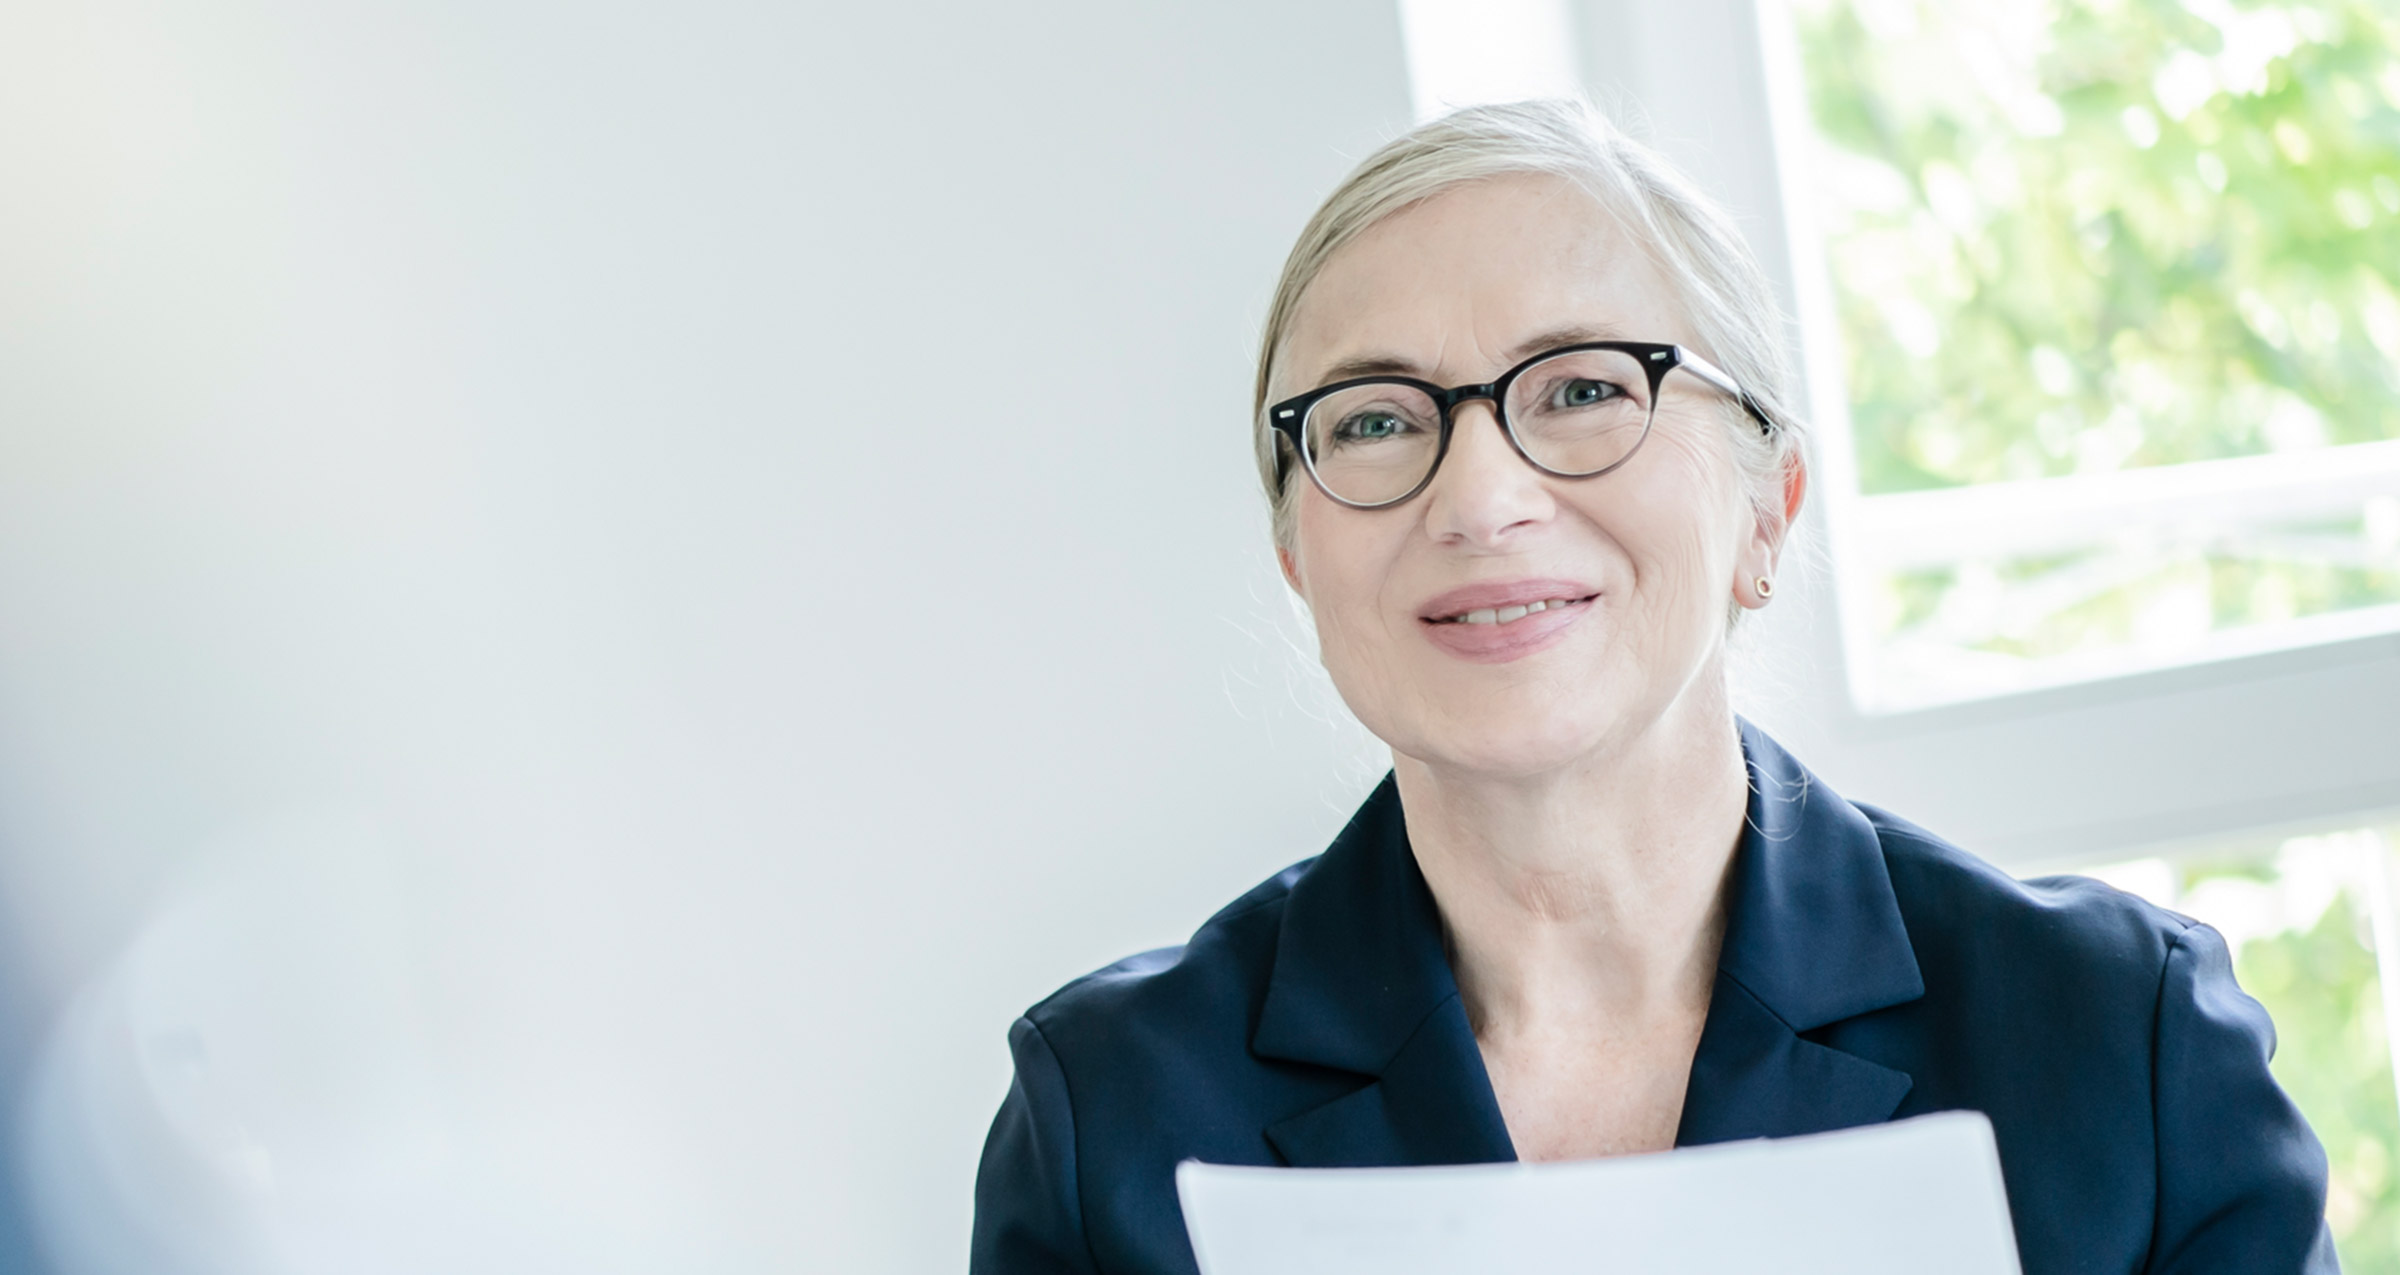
(1028, 1208)
(2241, 1179)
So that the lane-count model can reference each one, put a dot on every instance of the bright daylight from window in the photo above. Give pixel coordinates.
(2119, 294)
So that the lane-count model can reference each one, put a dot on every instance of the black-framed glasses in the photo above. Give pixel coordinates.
(1578, 411)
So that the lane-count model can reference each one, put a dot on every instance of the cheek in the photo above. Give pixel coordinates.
(1347, 560)
(1688, 521)
(1340, 574)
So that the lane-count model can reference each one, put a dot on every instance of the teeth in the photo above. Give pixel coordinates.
(1503, 615)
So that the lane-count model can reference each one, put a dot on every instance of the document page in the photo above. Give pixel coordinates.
(1908, 1197)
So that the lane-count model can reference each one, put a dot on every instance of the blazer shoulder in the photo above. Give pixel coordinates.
(2074, 926)
(1208, 985)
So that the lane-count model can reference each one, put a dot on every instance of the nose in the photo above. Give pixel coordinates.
(1484, 493)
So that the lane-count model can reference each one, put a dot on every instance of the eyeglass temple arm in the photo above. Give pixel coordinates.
(1716, 376)
(1287, 452)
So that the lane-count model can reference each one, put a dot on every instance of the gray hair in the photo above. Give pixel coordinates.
(1692, 241)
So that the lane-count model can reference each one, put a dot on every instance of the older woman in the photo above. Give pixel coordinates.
(1531, 451)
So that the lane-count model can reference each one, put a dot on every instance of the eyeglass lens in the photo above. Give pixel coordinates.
(1572, 414)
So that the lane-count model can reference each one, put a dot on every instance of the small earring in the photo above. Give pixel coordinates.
(1765, 587)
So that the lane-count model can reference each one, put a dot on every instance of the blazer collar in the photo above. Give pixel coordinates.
(1361, 984)
(1359, 961)
(1812, 928)
(1813, 935)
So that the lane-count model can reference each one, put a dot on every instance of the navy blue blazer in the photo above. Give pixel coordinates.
(1870, 971)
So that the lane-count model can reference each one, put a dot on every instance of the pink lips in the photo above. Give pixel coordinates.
(1500, 643)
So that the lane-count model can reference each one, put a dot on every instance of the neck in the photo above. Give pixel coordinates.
(1592, 894)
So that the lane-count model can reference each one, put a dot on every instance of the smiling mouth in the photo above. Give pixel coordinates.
(1510, 614)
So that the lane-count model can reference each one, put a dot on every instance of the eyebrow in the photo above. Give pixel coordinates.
(1395, 365)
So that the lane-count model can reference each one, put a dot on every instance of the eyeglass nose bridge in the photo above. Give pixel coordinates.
(1451, 398)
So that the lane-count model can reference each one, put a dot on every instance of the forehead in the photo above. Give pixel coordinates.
(1453, 287)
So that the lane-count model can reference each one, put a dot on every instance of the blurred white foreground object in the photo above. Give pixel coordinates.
(1908, 1197)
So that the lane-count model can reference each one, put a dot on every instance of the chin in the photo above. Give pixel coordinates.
(1501, 739)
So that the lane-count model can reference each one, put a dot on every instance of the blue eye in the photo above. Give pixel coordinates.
(1584, 393)
(1370, 426)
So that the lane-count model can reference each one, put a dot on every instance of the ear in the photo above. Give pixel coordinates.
(1765, 549)
(1291, 569)
(1795, 489)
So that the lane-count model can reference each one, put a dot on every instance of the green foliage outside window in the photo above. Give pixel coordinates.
(2079, 237)
(2074, 236)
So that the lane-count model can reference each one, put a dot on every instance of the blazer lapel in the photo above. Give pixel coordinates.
(1813, 935)
(1433, 1104)
(1753, 1077)
(1361, 984)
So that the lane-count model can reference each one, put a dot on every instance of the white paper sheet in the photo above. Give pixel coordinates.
(1910, 1197)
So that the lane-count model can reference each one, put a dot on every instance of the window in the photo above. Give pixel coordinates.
(2118, 290)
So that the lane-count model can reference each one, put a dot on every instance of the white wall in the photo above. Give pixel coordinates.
(593, 597)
